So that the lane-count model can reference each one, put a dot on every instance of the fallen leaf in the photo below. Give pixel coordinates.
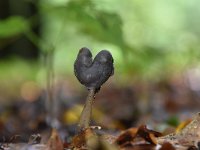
(135, 136)
(189, 136)
(79, 141)
(54, 142)
(127, 136)
(148, 135)
(167, 146)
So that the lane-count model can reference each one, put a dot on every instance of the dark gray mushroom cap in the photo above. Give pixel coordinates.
(93, 73)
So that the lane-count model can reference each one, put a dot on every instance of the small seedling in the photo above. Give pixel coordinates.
(93, 74)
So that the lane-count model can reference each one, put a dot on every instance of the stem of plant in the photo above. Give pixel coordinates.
(86, 114)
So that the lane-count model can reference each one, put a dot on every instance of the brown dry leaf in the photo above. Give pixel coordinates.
(167, 146)
(189, 136)
(127, 136)
(148, 135)
(192, 148)
(79, 141)
(153, 139)
(54, 142)
(138, 137)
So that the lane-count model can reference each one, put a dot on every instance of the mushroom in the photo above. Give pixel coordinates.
(92, 74)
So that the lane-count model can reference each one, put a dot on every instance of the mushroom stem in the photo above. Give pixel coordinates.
(86, 114)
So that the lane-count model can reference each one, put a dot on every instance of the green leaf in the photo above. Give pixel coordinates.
(101, 25)
(173, 121)
(12, 26)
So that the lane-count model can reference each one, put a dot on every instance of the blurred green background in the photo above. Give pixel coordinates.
(155, 45)
(148, 39)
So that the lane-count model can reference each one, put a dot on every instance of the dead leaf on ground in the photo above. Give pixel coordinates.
(148, 135)
(138, 136)
(54, 142)
(167, 146)
(127, 136)
(79, 140)
(188, 136)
